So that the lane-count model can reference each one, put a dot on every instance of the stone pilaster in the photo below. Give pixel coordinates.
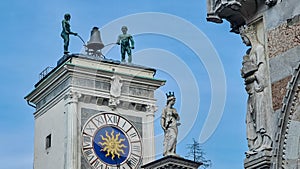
(149, 134)
(72, 125)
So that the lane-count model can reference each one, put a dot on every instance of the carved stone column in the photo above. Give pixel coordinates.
(72, 128)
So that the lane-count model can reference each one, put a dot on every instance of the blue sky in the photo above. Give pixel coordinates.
(30, 41)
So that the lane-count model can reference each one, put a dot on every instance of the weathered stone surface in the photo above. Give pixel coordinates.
(278, 92)
(261, 160)
(258, 89)
(288, 132)
(279, 13)
(135, 91)
(292, 145)
(172, 162)
(57, 90)
(280, 37)
(283, 38)
(234, 11)
(115, 91)
(283, 65)
(91, 83)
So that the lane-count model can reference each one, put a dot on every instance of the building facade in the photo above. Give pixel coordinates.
(270, 68)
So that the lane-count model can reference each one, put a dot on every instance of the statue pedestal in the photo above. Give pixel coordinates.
(172, 162)
(261, 160)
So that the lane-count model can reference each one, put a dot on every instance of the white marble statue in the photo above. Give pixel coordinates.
(116, 86)
(254, 72)
(169, 124)
(115, 91)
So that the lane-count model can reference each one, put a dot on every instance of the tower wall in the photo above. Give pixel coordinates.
(52, 123)
(81, 88)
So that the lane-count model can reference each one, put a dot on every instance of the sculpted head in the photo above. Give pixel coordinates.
(67, 16)
(124, 29)
(170, 98)
(245, 40)
(248, 34)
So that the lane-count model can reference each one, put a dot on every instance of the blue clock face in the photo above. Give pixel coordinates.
(111, 145)
(110, 140)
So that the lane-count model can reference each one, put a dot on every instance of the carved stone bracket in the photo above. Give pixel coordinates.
(113, 102)
(237, 12)
(262, 160)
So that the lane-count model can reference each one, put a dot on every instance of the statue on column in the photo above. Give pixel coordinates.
(258, 105)
(127, 43)
(66, 31)
(169, 124)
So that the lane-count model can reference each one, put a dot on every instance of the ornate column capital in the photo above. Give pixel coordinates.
(151, 109)
(72, 96)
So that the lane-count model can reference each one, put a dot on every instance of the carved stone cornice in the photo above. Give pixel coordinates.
(174, 162)
(237, 12)
(121, 103)
(261, 160)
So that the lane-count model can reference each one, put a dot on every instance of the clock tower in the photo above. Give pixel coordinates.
(94, 113)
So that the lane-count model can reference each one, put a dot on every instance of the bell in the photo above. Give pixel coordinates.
(95, 42)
